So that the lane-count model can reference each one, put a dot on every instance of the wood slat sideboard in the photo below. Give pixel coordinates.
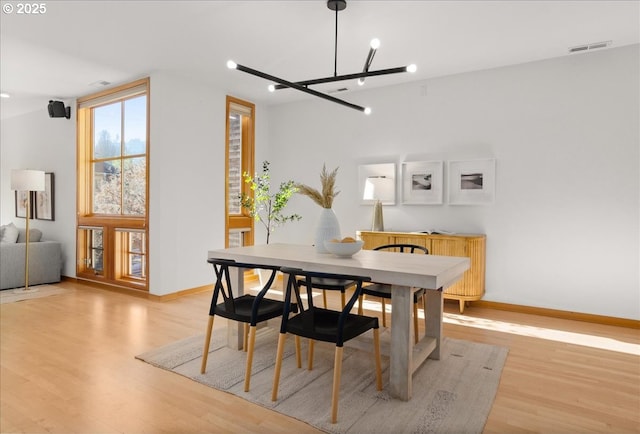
(473, 246)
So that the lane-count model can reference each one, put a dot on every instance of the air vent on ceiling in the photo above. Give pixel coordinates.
(100, 83)
(592, 46)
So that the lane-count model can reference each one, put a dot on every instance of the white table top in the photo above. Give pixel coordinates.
(421, 271)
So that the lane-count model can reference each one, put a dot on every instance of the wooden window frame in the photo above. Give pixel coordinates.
(242, 220)
(113, 255)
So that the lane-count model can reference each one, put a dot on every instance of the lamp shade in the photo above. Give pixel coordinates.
(379, 188)
(27, 180)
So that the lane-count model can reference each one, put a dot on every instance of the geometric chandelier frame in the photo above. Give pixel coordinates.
(303, 86)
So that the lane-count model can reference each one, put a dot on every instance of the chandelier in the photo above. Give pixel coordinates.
(303, 86)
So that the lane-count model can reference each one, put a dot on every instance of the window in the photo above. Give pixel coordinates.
(131, 244)
(90, 240)
(240, 159)
(119, 162)
(112, 186)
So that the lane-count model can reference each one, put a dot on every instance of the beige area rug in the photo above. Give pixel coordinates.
(12, 295)
(452, 395)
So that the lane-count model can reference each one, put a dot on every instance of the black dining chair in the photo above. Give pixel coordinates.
(247, 308)
(326, 325)
(327, 284)
(383, 290)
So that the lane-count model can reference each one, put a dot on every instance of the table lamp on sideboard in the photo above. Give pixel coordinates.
(380, 189)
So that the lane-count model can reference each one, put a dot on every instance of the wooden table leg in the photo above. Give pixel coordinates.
(400, 369)
(235, 329)
(434, 320)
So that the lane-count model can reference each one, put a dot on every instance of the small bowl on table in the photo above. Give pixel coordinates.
(343, 249)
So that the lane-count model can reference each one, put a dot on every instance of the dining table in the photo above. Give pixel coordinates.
(405, 273)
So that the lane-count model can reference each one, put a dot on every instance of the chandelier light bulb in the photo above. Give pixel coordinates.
(367, 110)
(412, 68)
(360, 81)
(375, 43)
(272, 88)
(231, 64)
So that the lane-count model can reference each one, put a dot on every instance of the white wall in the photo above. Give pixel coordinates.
(187, 179)
(187, 172)
(35, 141)
(563, 232)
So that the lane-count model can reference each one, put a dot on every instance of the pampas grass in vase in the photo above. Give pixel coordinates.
(328, 182)
(328, 226)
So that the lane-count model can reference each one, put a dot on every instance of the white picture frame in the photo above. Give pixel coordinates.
(422, 182)
(382, 170)
(471, 182)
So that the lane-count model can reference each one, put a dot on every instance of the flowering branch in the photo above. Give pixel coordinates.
(264, 206)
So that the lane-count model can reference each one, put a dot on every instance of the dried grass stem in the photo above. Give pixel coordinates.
(328, 181)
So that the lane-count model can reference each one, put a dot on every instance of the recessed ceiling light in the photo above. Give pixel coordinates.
(4, 95)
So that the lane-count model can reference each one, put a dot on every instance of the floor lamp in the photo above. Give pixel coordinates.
(380, 189)
(27, 180)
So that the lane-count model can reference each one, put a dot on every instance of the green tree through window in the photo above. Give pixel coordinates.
(119, 163)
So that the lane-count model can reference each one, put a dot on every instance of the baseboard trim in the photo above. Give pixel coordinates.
(561, 314)
(175, 295)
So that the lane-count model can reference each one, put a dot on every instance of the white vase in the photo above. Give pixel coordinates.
(328, 228)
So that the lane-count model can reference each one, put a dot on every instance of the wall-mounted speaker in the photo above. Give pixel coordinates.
(58, 110)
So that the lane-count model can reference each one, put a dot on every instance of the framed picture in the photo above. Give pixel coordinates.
(21, 204)
(377, 182)
(472, 182)
(44, 203)
(422, 182)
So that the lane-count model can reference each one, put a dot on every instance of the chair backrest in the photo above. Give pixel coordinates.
(298, 277)
(404, 248)
(223, 284)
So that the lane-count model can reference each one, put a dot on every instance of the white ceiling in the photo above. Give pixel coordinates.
(58, 54)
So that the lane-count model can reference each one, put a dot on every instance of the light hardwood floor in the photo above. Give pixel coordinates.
(67, 366)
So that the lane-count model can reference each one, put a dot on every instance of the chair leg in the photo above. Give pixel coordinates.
(337, 372)
(360, 307)
(384, 313)
(461, 307)
(298, 352)
(343, 299)
(310, 356)
(276, 374)
(207, 341)
(376, 351)
(245, 337)
(415, 322)
(324, 298)
(251, 345)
